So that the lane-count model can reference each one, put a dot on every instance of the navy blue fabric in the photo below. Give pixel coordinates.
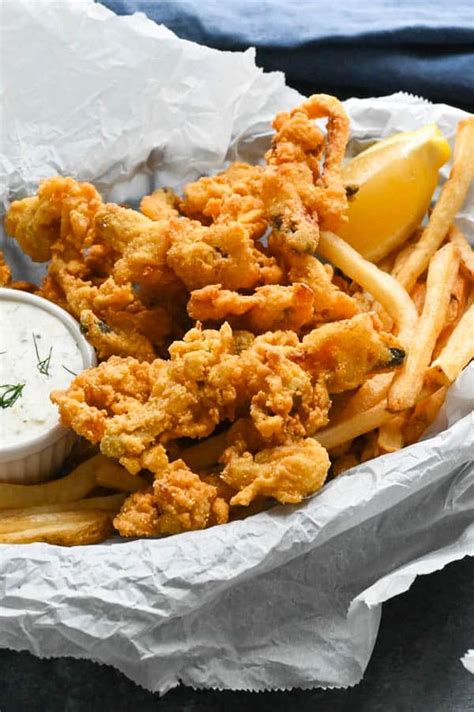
(350, 48)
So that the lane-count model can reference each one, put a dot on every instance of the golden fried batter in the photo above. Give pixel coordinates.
(108, 341)
(287, 472)
(268, 308)
(160, 205)
(234, 195)
(280, 382)
(176, 399)
(219, 254)
(5, 272)
(332, 347)
(141, 246)
(329, 302)
(330, 194)
(299, 196)
(59, 219)
(155, 253)
(179, 501)
(112, 316)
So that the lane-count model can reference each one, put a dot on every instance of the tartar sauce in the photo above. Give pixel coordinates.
(38, 354)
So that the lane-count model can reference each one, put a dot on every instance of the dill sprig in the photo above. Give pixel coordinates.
(10, 394)
(42, 364)
(73, 373)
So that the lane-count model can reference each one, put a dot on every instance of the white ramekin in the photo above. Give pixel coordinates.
(41, 457)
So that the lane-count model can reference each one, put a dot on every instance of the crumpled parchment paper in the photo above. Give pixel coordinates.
(468, 661)
(288, 598)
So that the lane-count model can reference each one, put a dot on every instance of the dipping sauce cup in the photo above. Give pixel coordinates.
(41, 350)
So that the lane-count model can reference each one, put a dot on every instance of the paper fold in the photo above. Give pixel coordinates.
(468, 661)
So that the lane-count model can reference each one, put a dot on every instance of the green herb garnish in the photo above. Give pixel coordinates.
(10, 394)
(42, 364)
(73, 373)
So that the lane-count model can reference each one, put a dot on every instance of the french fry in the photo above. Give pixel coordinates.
(449, 202)
(382, 286)
(98, 470)
(423, 415)
(111, 503)
(361, 423)
(390, 435)
(76, 485)
(111, 475)
(408, 381)
(456, 354)
(418, 294)
(404, 252)
(465, 250)
(61, 528)
(459, 296)
(456, 308)
(369, 394)
(358, 424)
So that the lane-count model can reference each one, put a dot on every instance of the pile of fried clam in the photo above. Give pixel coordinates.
(232, 359)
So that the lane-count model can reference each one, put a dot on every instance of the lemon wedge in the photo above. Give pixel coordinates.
(396, 179)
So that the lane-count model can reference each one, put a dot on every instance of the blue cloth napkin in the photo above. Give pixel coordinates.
(354, 48)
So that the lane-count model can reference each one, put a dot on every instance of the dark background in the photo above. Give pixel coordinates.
(351, 48)
(415, 666)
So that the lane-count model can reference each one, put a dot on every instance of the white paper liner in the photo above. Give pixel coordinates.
(288, 598)
(468, 661)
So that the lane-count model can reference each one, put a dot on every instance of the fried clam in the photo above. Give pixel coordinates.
(162, 204)
(330, 349)
(61, 224)
(282, 383)
(330, 303)
(287, 473)
(108, 341)
(178, 501)
(141, 246)
(233, 195)
(58, 220)
(300, 195)
(219, 254)
(269, 308)
(156, 253)
(181, 500)
(205, 381)
(111, 315)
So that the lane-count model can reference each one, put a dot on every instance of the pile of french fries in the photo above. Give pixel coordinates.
(63, 511)
(433, 315)
(424, 291)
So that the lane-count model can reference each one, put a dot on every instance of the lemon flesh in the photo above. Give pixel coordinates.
(396, 179)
